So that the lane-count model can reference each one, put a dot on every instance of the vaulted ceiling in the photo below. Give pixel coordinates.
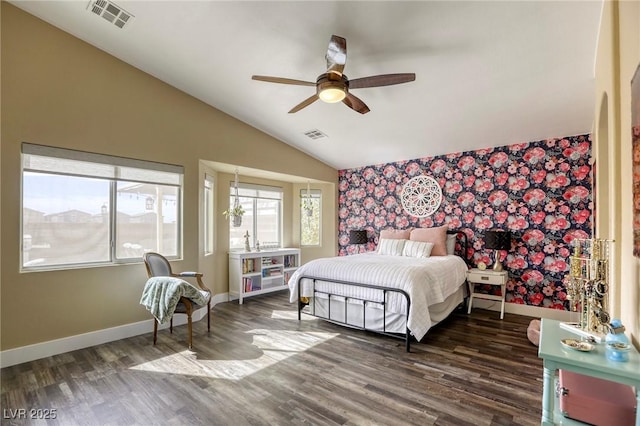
(487, 73)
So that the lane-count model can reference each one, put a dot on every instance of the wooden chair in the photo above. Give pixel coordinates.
(158, 266)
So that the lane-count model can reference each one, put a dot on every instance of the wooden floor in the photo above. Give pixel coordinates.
(260, 366)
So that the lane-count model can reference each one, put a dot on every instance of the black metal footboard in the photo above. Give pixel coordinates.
(384, 290)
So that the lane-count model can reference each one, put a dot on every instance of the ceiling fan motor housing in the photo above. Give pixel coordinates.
(330, 89)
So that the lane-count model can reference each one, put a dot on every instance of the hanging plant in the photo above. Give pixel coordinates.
(307, 204)
(236, 211)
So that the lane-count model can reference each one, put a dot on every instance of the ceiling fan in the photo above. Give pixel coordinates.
(333, 86)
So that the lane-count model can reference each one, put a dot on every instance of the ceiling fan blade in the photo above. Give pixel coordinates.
(336, 55)
(282, 80)
(305, 103)
(355, 104)
(381, 80)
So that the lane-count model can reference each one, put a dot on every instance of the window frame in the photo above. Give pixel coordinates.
(254, 229)
(208, 201)
(41, 159)
(315, 194)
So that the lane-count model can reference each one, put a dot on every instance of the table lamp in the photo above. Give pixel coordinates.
(497, 240)
(358, 237)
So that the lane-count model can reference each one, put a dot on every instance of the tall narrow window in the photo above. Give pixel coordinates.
(310, 217)
(81, 208)
(208, 214)
(262, 218)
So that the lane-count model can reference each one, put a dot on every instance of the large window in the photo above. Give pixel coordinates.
(262, 218)
(83, 209)
(310, 219)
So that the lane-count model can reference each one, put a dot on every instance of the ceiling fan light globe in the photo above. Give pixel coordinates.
(332, 95)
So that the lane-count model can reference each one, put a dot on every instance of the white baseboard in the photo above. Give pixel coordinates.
(525, 310)
(28, 353)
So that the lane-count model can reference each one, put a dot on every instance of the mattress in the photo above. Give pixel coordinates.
(427, 281)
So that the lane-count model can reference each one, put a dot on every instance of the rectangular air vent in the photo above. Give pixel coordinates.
(315, 134)
(111, 12)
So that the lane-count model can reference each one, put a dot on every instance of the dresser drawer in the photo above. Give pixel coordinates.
(486, 278)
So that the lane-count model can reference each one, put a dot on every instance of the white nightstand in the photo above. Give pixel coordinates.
(478, 276)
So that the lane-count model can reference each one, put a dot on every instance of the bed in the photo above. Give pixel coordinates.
(385, 291)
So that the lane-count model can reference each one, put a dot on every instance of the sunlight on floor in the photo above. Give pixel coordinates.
(269, 348)
(292, 315)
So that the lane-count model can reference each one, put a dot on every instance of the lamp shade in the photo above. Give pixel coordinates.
(358, 237)
(497, 240)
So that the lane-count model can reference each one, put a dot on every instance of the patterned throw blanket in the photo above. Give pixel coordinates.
(162, 294)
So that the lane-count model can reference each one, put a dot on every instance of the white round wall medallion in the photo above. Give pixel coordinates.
(421, 196)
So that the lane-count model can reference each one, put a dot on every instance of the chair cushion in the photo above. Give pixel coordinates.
(181, 308)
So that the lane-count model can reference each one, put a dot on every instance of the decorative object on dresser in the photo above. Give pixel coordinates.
(358, 238)
(498, 241)
(254, 273)
(618, 344)
(588, 287)
(395, 292)
(166, 293)
(477, 276)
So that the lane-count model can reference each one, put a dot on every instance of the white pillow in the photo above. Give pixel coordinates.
(390, 247)
(451, 243)
(417, 249)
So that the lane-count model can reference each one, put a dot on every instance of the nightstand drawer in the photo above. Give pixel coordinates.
(485, 278)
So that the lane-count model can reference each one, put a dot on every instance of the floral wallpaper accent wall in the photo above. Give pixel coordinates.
(540, 191)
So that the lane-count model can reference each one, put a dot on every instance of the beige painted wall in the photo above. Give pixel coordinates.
(60, 91)
(618, 56)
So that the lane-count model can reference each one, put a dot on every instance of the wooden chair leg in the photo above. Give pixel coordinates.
(155, 331)
(189, 329)
(171, 325)
(209, 316)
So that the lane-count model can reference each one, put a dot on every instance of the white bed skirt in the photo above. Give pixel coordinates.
(373, 314)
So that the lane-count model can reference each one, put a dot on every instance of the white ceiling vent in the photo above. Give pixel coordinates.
(111, 12)
(315, 134)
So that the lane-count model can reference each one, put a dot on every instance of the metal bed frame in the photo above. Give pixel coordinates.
(461, 240)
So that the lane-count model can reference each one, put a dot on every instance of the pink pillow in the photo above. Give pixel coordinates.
(395, 234)
(436, 236)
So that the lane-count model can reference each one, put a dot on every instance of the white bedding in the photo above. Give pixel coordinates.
(428, 281)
